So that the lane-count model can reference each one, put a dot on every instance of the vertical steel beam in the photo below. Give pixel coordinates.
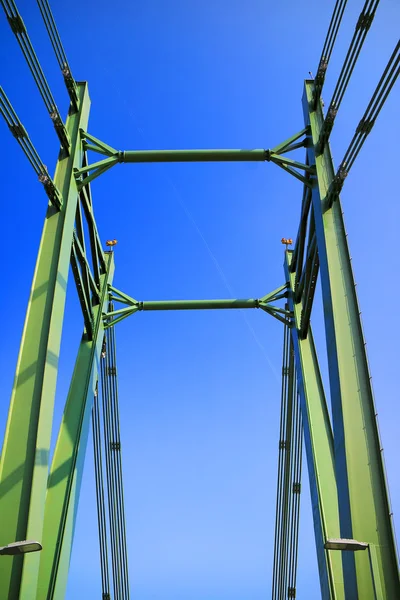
(319, 448)
(67, 465)
(363, 499)
(24, 460)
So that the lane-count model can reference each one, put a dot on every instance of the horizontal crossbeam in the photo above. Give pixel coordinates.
(197, 304)
(88, 173)
(113, 317)
(157, 156)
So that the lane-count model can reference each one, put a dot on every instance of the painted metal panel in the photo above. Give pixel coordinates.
(25, 456)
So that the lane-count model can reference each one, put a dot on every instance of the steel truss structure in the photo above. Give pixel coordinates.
(40, 500)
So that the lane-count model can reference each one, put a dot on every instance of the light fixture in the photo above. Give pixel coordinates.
(20, 548)
(344, 544)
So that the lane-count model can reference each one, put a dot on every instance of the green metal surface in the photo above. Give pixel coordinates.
(67, 465)
(196, 304)
(346, 473)
(115, 316)
(25, 456)
(290, 142)
(152, 156)
(319, 450)
(191, 155)
(376, 579)
(363, 500)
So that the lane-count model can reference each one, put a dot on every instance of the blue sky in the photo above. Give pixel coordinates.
(200, 392)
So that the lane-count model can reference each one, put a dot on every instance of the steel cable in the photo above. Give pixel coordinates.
(374, 107)
(118, 467)
(58, 48)
(114, 451)
(289, 474)
(101, 509)
(385, 85)
(362, 27)
(112, 444)
(23, 139)
(281, 454)
(110, 475)
(328, 46)
(18, 27)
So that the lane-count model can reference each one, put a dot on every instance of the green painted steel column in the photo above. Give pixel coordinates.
(25, 456)
(139, 156)
(67, 466)
(319, 450)
(363, 499)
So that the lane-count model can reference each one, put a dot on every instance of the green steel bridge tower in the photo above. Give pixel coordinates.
(354, 536)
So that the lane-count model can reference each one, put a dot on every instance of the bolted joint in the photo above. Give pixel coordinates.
(322, 67)
(331, 114)
(67, 73)
(337, 184)
(77, 175)
(60, 129)
(365, 126)
(268, 155)
(364, 21)
(18, 131)
(17, 25)
(327, 127)
(121, 156)
(296, 489)
(55, 117)
(52, 192)
(71, 85)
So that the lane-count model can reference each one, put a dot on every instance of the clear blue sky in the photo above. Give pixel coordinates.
(200, 392)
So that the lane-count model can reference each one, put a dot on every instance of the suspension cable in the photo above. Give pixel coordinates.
(328, 46)
(282, 448)
(118, 467)
(18, 27)
(112, 444)
(289, 476)
(362, 27)
(58, 48)
(19, 132)
(101, 508)
(386, 83)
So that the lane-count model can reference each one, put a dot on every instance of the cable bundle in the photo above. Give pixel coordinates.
(289, 477)
(363, 24)
(378, 99)
(110, 439)
(328, 46)
(23, 139)
(18, 27)
(55, 39)
(364, 127)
